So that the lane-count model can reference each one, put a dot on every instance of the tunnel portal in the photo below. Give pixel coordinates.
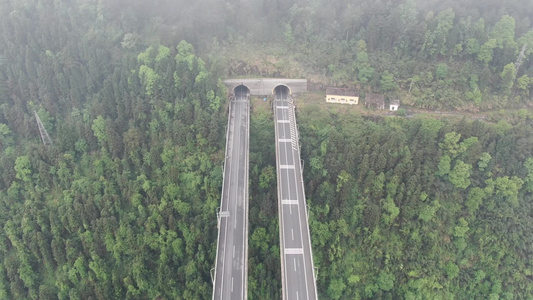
(267, 86)
(241, 92)
(282, 91)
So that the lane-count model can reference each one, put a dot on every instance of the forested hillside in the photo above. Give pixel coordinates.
(431, 54)
(419, 208)
(122, 205)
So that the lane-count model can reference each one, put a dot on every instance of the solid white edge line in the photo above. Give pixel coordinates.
(246, 199)
(221, 200)
(280, 214)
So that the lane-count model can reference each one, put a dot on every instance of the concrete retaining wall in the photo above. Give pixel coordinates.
(266, 86)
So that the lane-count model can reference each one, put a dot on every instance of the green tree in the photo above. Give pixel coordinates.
(361, 46)
(445, 165)
(185, 55)
(460, 175)
(342, 178)
(524, 85)
(388, 84)
(99, 130)
(508, 76)
(408, 13)
(484, 160)
(442, 71)
(451, 146)
(148, 77)
(427, 212)
(336, 288)
(4, 129)
(529, 178)
(452, 270)
(129, 41)
(485, 53)
(450, 143)
(214, 100)
(23, 168)
(386, 281)
(3, 281)
(288, 34)
(365, 72)
(460, 230)
(267, 177)
(5, 136)
(475, 199)
(146, 57)
(507, 188)
(392, 211)
(475, 95)
(430, 128)
(504, 33)
(163, 52)
(435, 40)
(523, 82)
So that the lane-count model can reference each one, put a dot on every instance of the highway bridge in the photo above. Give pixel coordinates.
(231, 266)
(297, 270)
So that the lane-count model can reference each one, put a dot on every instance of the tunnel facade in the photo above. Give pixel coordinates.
(267, 86)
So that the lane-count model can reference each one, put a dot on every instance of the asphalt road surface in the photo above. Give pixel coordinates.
(298, 278)
(232, 250)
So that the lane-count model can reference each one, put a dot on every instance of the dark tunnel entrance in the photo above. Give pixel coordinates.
(241, 92)
(282, 91)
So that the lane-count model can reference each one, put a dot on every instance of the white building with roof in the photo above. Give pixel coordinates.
(394, 105)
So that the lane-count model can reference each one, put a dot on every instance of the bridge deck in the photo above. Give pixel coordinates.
(231, 267)
(298, 276)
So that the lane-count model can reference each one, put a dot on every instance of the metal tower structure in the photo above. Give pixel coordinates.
(520, 57)
(47, 141)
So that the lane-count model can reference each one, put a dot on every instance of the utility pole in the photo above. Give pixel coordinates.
(47, 141)
(520, 57)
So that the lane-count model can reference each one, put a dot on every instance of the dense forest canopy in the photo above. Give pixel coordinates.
(437, 54)
(122, 206)
(419, 208)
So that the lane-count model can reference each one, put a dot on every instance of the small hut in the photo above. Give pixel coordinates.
(394, 104)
